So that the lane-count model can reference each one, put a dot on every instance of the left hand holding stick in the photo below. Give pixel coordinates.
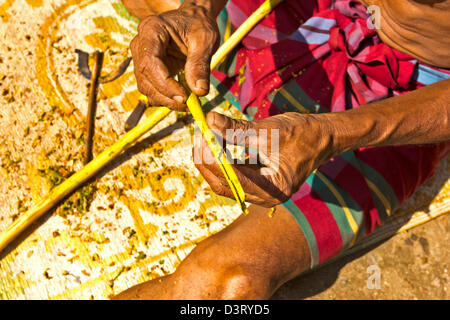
(290, 146)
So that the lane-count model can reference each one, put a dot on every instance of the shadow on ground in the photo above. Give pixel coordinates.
(413, 264)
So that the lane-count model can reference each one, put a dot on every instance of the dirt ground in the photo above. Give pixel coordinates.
(413, 265)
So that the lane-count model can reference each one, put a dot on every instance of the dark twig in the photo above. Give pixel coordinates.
(92, 106)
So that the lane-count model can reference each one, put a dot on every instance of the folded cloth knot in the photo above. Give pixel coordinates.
(372, 67)
(330, 44)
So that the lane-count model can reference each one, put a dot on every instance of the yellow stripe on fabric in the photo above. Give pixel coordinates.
(227, 33)
(265, 9)
(293, 101)
(348, 214)
(226, 36)
(380, 195)
(376, 181)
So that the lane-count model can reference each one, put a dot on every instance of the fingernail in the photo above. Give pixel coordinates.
(178, 99)
(202, 84)
(220, 121)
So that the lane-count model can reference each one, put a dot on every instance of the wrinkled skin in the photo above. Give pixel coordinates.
(176, 40)
(304, 144)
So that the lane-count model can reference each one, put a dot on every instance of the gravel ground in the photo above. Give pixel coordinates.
(412, 265)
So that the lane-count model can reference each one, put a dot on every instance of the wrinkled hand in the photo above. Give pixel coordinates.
(167, 43)
(304, 143)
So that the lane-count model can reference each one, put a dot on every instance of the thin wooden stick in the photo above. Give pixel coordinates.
(195, 107)
(77, 179)
(92, 106)
(93, 167)
(264, 9)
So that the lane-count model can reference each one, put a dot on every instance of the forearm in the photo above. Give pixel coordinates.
(419, 117)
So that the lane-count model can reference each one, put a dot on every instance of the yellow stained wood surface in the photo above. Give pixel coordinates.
(75, 181)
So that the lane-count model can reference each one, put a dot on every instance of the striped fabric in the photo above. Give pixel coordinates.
(321, 56)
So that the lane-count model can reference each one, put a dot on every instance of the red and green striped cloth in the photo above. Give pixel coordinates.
(322, 56)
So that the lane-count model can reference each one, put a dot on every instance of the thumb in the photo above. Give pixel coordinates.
(234, 131)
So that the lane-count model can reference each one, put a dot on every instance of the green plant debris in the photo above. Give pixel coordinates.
(80, 201)
(135, 171)
(21, 207)
(52, 175)
(141, 256)
(111, 282)
(128, 232)
(42, 116)
(49, 153)
(11, 160)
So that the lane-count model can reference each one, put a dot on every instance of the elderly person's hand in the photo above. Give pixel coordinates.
(306, 141)
(185, 38)
(290, 146)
